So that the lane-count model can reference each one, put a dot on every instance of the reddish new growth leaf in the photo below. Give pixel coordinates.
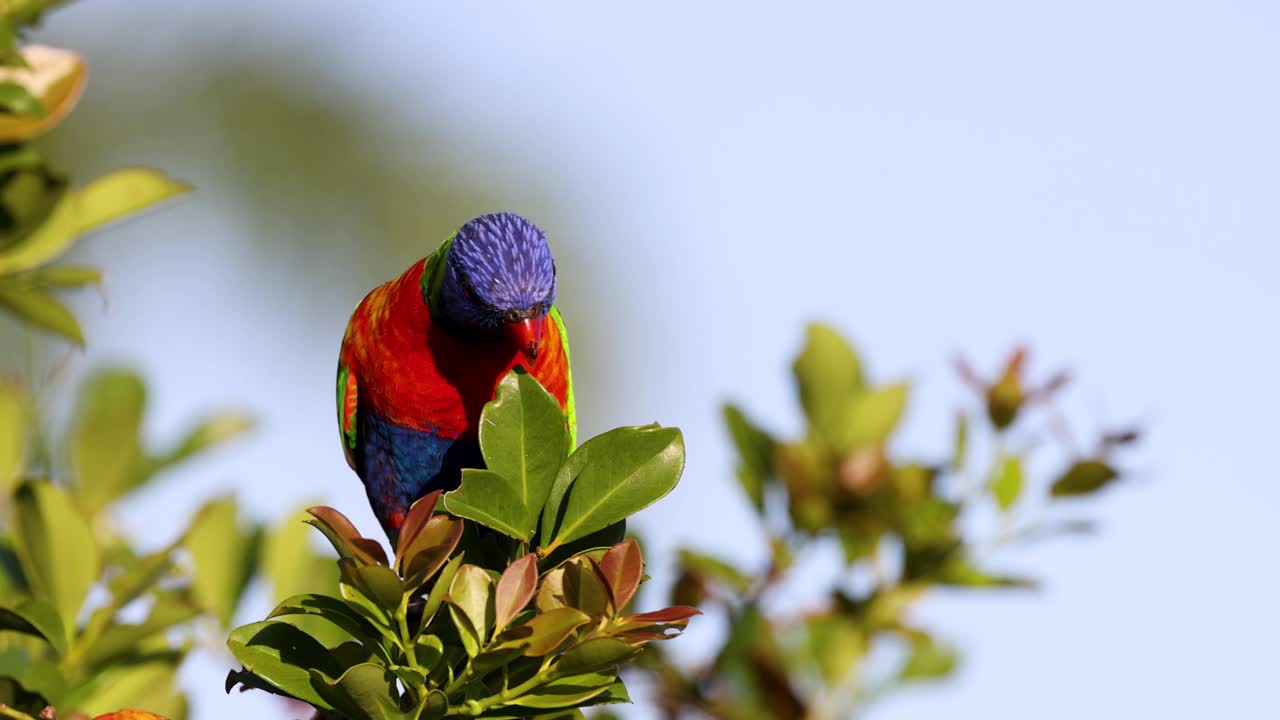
(414, 523)
(622, 568)
(430, 550)
(515, 589)
(640, 629)
(345, 538)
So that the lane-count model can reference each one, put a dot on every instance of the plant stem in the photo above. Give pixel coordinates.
(477, 707)
(9, 712)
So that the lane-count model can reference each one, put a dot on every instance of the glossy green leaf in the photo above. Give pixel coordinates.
(379, 584)
(1084, 477)
(225, 555)
(524, 440)
(41, 309)
(38, 618)
(284, 657)
(105, 442)
(365, 691)
(1007, 481)
(611, 477)
(567, 692)
(828, 375)
(15, 418)
(439, 589)
(872, 416)
(594, 656)
(471, 595)
(334, 611)
(56, 547)
(99, 203)
(755, 453)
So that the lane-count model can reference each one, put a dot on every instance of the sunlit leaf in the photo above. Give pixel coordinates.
(68, 276)
(594, 656)
(514, 590)
(284, 657)
(15, 417)
(366, 691)
(1007, 481)
(56, 547)
(828, 376)
(622, 569)
(1084, 477)
(755, 453)
(105, 441)
(611, 477)
(38, 618)
(871, 417)
(928, 661)
(225, 555)
(41, 309)
(471, 598)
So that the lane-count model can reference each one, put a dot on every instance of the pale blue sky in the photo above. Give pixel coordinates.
(1099, 179)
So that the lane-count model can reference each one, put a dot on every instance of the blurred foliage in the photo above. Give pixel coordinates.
(900, 522)
(537, 624)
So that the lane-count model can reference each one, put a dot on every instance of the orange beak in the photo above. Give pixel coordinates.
(527, 335)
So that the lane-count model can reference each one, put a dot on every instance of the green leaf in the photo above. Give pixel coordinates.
(524, 439)
(836, 643)
(56, 547)
(334, 611)
(365, 691)
(37, 676)
(928, 661)
(755, 453)
(960, 442)
(99, 203)
(38, 618)
(715, 569)
(828, 376)
(69, 276)
(567, 692)
(15, 418)
(593, 656)
(1084, 477)
(872, 416)
(546, 631)
(290, 564)
(379, 584)
(225, 556)
(284, 657)
(612, 476)
(439, 589)
(105, 441)
(214, 430)
(471, 596)
(515, 589)
(117, 640)
(345, 538)
(39, 308)
(17, 100)
(150, 684)
(1007, 481)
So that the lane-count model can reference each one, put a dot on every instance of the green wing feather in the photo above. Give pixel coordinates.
(570, 408)
(347, 412)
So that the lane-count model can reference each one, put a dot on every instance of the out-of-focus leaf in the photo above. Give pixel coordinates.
(105, 440)
(366, 691)
(611, 477)
(928, 661)
(15, 417)
(284, 657)
(871, 417)
(225, 555)
(56, 547)
(149, 684)
(34, 675)
(960, 444)
(290, 564)
(471, 600)
(345, 538)
(37, 307)
(1084, 477)
(38, 618)
(217, 429)
(68, 276)
(53, 79)
(715, 569)
(755, 453)
(170, 608)
(1007, 481)
(836, 644)
(99, 203)
(828, 376)
(17, 100)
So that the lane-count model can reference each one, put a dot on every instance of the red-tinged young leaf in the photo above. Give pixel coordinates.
(549, 629)
(343, 536)
(576, 584)
(379, 584)
(430, 550)
(414, 523)
(623, 568)
(515, 590)
(678, 613)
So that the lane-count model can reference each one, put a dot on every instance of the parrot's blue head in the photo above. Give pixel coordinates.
(499, 279)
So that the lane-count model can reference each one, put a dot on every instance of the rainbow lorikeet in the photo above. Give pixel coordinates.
(423, 353)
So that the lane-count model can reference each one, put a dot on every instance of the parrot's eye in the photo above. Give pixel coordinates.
(511, 316)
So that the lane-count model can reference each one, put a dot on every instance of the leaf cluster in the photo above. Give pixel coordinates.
(904, 525)
(507, 598)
